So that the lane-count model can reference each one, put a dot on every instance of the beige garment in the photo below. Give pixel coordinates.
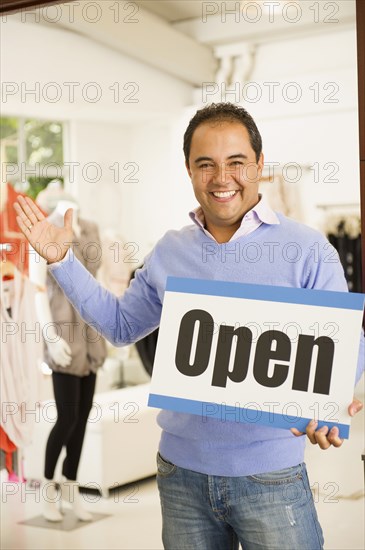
(87, 346)
(119, 259)
(21, 356)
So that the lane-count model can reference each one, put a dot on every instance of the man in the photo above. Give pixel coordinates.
(220, 483)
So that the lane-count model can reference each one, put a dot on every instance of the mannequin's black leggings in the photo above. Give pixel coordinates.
(74, 398)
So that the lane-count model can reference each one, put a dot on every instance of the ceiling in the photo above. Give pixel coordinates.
(185, 38)
(175, 11)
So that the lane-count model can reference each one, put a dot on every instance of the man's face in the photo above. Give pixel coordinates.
(224, 173)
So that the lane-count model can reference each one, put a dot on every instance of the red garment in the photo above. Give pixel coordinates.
(8, 447)
(10, 232)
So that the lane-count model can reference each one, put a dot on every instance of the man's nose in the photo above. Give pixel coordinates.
(221, 175)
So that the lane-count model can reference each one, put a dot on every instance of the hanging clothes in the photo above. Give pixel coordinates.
(343, 233)
(9, 230)
(88, 348)
(8, 448)
(22, 351)
(115, 271)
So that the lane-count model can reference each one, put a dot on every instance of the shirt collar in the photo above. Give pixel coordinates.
(262, 211)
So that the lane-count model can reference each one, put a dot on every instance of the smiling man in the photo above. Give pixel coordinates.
(224, 161)
(220, 482)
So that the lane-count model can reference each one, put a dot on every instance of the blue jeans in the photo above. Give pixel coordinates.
(272, 511)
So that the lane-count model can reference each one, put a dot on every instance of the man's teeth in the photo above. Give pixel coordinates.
(223, 194)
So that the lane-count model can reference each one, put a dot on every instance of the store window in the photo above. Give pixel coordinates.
(32, 153)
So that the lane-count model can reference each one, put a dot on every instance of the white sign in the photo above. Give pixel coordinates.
(260, 354)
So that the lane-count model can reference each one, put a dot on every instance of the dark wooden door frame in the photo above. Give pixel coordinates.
(360, 23)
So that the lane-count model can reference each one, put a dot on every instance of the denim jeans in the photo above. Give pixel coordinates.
(271, 511)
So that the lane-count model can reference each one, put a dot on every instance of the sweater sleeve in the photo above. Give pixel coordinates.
(324, 271)
(361, 361)
(122, 320)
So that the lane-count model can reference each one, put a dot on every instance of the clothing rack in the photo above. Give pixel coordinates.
(7, 272)
(341, 223)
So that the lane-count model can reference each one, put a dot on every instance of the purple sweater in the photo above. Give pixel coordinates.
(285, 254)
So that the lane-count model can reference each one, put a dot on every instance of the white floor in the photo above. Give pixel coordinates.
(134, 522)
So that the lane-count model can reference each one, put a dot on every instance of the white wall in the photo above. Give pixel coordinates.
(37, 55)
(153, 193)
(313, 130)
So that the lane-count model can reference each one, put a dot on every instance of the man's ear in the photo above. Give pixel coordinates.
(260, 164)
(188, 168)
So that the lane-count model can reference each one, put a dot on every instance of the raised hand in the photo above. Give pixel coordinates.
(51, 242)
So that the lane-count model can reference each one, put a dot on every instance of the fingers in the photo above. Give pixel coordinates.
(34, 208)
(333, 437)
(29, 217)
(326, 438)
(323, 437)
(68, 218)
(296, 432)
(310, 431)
(320, 437)
(22, 220)
(24, 229)
(28, 212)
(355, 407)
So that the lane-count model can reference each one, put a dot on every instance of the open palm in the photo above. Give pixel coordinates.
(51, 242)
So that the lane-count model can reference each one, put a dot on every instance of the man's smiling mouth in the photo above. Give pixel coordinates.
(224, 194)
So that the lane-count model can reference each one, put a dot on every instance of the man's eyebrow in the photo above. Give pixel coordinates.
(199, 159)
(239, 155)
(235, 156)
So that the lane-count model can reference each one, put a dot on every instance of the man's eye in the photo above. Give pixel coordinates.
(206, 166)
(237, 163)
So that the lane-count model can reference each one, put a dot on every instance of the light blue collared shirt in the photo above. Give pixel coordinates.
(260, 213)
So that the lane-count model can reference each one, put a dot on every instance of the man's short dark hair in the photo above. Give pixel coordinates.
(222, 112)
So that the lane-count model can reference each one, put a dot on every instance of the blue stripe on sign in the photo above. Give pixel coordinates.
(237, 414)
(325, 298)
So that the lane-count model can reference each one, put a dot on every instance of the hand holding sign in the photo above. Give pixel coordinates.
(325, 437)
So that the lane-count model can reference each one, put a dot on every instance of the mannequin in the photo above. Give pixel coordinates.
(74, 356)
